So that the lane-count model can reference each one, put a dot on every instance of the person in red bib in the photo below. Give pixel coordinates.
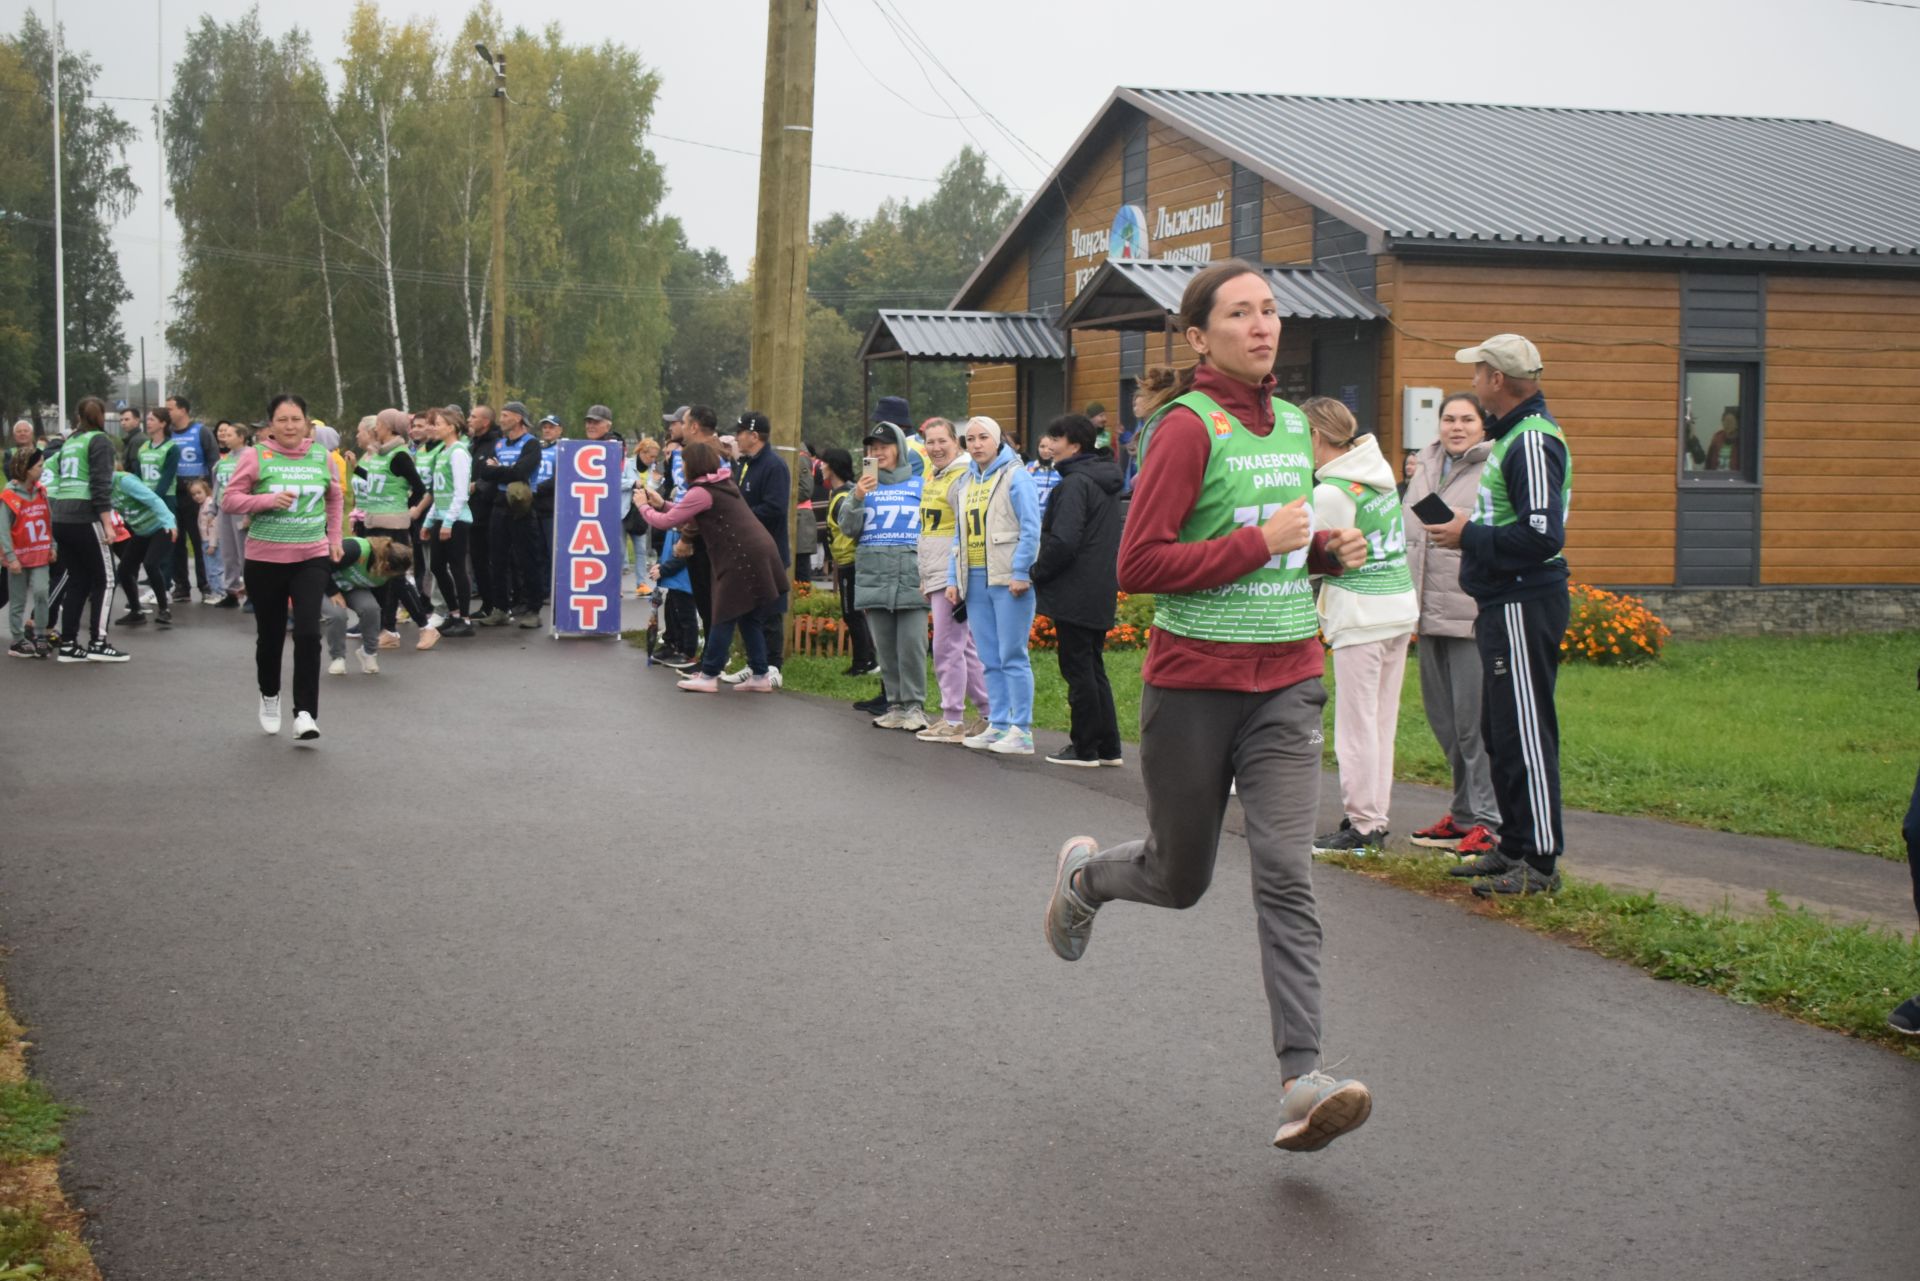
(26, 547)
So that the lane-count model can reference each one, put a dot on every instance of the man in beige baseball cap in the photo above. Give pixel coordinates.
(1511, 564)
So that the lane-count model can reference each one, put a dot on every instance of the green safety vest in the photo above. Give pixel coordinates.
(358, 574)
(441, 470)
(152, 460)
(1492, 505)
(1248, 478)
(72, 474)
(306, 479)
(379, 492)
(1378, 517)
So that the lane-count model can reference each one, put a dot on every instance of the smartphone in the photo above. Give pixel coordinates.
(870, 466)
(1433, 510)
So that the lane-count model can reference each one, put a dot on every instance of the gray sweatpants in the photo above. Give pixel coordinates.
(232, 536)
(1450, 691)
(1194, 743)
(900, 646)
(333, 621)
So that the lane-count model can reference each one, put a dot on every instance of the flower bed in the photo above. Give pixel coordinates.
(1610, 629)
(1131, 624)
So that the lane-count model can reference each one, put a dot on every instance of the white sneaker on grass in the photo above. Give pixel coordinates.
(270, 713)
(338, 667)
(305, 728)
(369, 664)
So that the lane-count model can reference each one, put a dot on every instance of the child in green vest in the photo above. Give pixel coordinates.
(365, 565)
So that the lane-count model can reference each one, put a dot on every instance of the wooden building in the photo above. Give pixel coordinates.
(1728, 308)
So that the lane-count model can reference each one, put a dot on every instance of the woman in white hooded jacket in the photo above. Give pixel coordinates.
(1366, 614)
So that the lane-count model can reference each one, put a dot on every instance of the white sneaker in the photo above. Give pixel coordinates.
(338, 667)
(735, 677)
(773, 674)
(1014, 742)
(892, 718)
(270, 714)
(913, 719)
(436, 621)
(305, 728)
(369, 664)
(985, 738)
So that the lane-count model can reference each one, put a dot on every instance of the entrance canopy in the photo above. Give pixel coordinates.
(976, 337)
(1144, 294)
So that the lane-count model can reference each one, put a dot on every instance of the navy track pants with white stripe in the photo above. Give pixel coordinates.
(1520, 656)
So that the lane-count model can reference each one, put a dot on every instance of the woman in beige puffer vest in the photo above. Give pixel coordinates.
(1449, 662)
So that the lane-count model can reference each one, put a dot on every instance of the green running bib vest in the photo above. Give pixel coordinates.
(1248, 478)
(72, 474)
(379, 492)
(304, 478)
(1378, 517)
(1491, 505)
(152, 461)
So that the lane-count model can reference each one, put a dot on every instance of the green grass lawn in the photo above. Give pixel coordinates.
(1815, 739)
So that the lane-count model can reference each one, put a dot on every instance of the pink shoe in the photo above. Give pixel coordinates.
(700, 684)
(761, 684)
(429, 637)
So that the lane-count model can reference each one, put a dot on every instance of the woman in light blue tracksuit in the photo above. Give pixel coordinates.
(991, 569)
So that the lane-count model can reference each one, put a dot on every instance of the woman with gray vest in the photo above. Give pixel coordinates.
(1221, 532)
(1449, 658)
(883, 514)
(1366, 614)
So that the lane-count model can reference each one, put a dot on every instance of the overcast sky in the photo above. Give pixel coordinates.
(1041, 69)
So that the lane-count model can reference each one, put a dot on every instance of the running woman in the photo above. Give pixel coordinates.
(1221, 533)
(289, 490)
(448, 466)
(81, 496)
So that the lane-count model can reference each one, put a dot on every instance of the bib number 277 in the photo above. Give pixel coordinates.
(1254, 517)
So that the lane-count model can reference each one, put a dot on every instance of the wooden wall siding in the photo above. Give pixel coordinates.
(1609, 340)
(1093, 199)
(992, 389)
(1181, 173)
(1840, 448)
(1286, 231)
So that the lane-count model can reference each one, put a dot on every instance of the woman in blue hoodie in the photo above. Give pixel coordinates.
(992, 571)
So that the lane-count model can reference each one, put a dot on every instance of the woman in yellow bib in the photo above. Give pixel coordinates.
(992, 571)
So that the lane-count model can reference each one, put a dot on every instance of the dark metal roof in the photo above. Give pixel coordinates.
(985, 336)
(1415, 172)
(1142, 293)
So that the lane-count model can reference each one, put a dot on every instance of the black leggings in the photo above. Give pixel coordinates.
(155, 554)
(270, 585)
(450, 567)
(89, 564)
(394, 593)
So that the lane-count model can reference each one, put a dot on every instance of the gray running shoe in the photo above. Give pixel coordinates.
(1521, 878)
(1316, 1110)
(1069, 920)
(1492, 863)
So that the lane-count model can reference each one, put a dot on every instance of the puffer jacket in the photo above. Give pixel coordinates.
(937, 545)
(883, 577)
(1445, 607)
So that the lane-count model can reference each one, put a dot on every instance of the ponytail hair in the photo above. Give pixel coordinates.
(1331, 420)
(91, 414)
(1160, 384)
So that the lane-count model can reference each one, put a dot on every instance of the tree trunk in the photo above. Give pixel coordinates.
(386, 258)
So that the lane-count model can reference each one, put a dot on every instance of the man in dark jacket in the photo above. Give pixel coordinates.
(1510, 563)
(1076, 579)
(767, 486)
(483, 433)
(511, 535)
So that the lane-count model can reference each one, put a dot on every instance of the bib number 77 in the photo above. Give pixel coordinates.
(307, 499)
(1254, 517)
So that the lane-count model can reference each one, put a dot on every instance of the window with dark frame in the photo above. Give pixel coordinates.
(1719, 422)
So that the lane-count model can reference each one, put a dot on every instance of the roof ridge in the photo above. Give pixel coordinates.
(1478, 106)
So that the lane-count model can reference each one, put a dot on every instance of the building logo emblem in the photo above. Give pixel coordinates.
(1127, 240)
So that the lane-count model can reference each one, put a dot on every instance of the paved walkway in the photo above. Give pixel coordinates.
(538, 966)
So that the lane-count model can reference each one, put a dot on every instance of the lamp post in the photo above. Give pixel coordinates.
(59, 246)
(497, 391)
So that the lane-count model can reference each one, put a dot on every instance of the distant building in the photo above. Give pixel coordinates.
(1728, 308)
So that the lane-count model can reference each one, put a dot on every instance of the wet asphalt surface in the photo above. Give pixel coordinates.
(539, 967)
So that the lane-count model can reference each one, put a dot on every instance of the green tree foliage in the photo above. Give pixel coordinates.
(358, 218)
(96, 191)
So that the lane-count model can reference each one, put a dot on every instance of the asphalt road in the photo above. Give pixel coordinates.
(538, 967)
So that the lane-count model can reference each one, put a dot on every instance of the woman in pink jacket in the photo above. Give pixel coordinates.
(285, 484)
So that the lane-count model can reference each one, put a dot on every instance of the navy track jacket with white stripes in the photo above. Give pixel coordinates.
(1521, 561)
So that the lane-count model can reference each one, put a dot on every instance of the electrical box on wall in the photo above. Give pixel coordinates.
(1419, 417)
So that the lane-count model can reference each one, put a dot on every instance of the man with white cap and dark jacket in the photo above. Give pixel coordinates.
(1510, 563)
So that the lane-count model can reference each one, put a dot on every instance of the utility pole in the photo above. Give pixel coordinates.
(777, 370)
(497, 391)
(59, 243)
